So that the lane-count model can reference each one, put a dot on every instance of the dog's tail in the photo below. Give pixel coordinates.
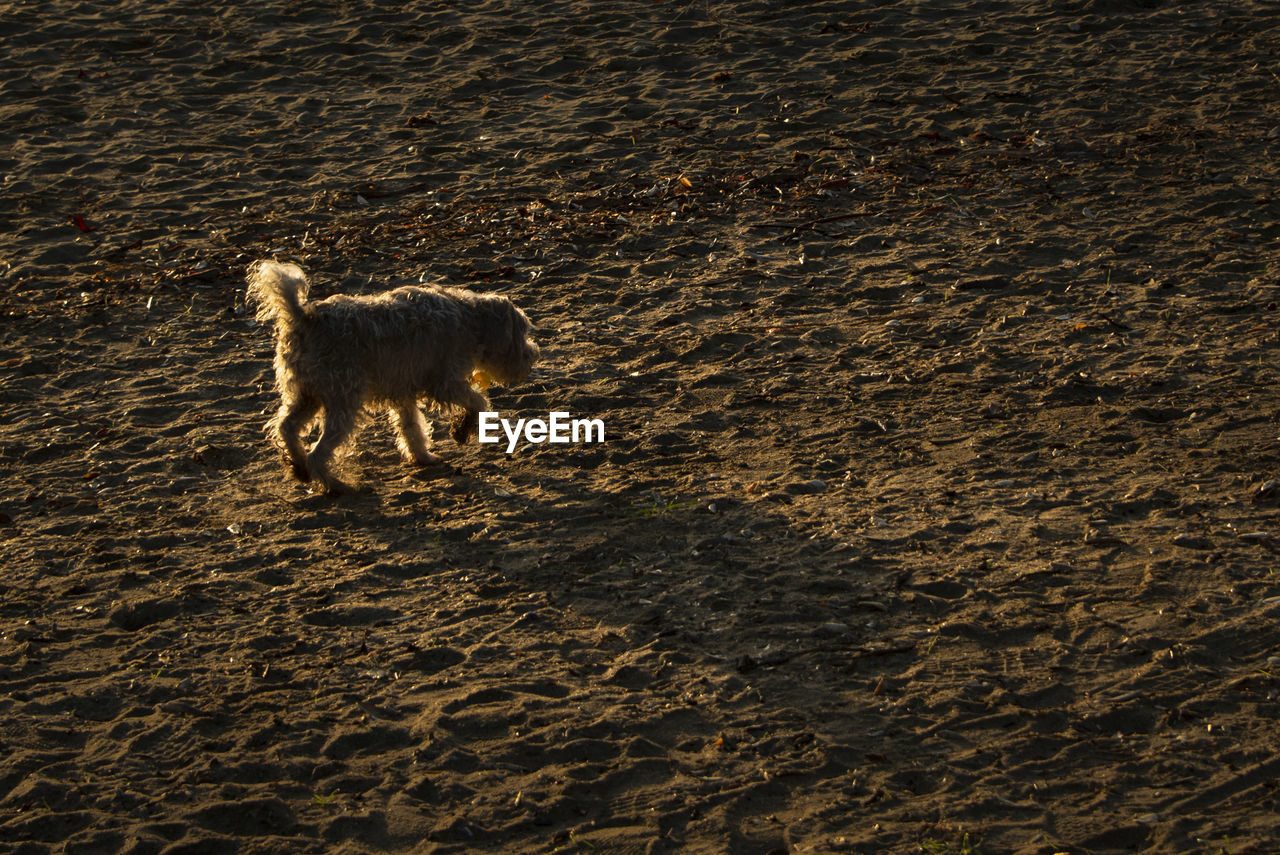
(278, 291)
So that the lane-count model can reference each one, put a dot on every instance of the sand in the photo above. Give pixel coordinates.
(935, 345)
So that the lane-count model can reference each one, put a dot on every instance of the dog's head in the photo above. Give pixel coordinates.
(506, 351)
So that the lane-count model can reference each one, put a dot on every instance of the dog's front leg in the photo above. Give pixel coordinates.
(471, 402)
(465, 426)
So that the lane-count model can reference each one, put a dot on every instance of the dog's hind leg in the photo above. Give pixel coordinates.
(293, 418)
(411, 429)
(338, 425)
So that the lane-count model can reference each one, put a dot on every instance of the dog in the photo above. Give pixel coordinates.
(338, 357)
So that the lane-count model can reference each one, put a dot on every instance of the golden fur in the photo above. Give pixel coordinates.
(337, 356)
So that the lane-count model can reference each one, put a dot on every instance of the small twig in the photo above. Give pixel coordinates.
(1116, 324)
(808, 224)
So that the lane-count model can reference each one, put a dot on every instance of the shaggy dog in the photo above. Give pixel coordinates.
(342, 354)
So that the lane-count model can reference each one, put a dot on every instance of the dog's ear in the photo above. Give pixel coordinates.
(520, 325)
(510, 320)
(506, 334)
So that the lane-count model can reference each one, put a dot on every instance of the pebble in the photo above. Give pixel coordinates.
(178, 708)
(1266, 490)
(815, 485)
(183, 485)
(1093, 534)
(1191, 541)
(1257, 536)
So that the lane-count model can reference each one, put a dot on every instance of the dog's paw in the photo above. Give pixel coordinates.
(465, 426)
(335, 487)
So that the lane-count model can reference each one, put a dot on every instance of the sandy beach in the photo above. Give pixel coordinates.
(936, 350)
